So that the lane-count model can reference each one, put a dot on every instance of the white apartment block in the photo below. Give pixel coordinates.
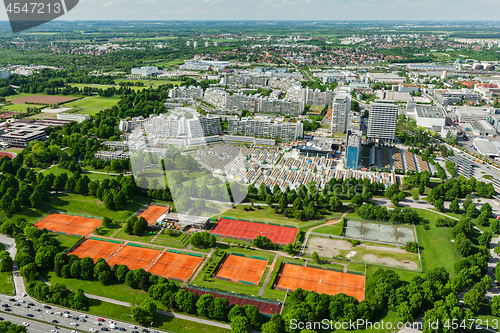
(340, 112)
(192, 92)
(266, 128)
(382, 120)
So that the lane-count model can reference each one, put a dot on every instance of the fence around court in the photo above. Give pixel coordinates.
(226, 293)
(379, 240)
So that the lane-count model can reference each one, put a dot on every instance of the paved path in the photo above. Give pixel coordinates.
(154, 238)
(141, 243)
(492, 262)
(268, 277)
(204, 262)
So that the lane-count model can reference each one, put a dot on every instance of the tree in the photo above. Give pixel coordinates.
(239, 325)
(236, 311)
(439, 204)
(185, 301)
(472, 211)
(29, 272)
(315, 256)
(203, 239)
(121, 273)
(145, 312)
(220, 309)
(495, 306)
(485, 239)
(87, 268)
(463, 244)
(81, 187)
(454, 207)
(204, 304)
(495, 226)
(107, 222)
(253, 316)
(483, 218)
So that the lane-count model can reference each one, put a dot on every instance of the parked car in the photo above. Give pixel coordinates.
(30, 315)
(31, 304)
(25, 324)
(122, 329)
(55, 321)
(8, 309)
(83, 316)
(82, 320)
(47, 307)
(100, 319)
(54, 331)
(37, 309)
(97, 323)
(17, 304)
(5, 305)
(73, 324)
(48, 312)
(104, 329)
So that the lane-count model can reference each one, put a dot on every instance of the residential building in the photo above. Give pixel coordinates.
(382, 121)
(112, 155)
(353, 151)
(191, 92)
(340, 112)
(266, 128)
(5, 74)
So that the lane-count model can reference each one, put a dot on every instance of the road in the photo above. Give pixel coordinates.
(34, 326)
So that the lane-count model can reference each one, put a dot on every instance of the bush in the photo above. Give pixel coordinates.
(203, 239)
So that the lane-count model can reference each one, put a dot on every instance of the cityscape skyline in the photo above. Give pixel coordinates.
(281, 10)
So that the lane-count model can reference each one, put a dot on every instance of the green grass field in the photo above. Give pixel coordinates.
(57, 170)
(329, 230)
(19, 107)
(436, 248)
(66, 241)
(143, 239)
(150, 83)
(265, 214)
(92, 105)
(78, 204)
(6, 283)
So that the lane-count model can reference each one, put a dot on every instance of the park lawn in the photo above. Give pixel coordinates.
(77, 204)
(66, 241)
(146, 238)
(406, 276)
(56, 170)
(119, 292)
(436, 248)
(170, 241)
(248, 252)
(265, 214)
(240, 288)
(335, 230)
(6, 283)
(383, 254)
(150, 83)
(461, 213)
(162, 322)
(92, 105)
(19, 107)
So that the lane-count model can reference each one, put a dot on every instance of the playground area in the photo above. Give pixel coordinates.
(152, 213)
(69, 224)
(250, 230)
(379, 232)
(242, 269)
(176, 266)
(95, 249)
(321, 281)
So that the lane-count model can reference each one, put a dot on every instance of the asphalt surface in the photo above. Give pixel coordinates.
(34, 326)
(50, 316)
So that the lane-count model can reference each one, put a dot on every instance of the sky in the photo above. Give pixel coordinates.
(345, 10)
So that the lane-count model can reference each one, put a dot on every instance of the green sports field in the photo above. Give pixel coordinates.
(19, 107)
(92, 105)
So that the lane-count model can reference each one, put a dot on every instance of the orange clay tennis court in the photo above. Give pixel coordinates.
(236, 269)
(176, 266)
(153, 213)
(250, 230)
(134, 257)
(69, 224)
(167, 264)
(321, 281)
(95, 249)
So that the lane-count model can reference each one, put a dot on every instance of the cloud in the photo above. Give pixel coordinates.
(109, 4)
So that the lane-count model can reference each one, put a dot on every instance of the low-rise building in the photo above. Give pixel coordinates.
(145, 71)
(21, 134)
(428, 116)
(453, 96)
(78, 117)
(183, 220)
(112, 155)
